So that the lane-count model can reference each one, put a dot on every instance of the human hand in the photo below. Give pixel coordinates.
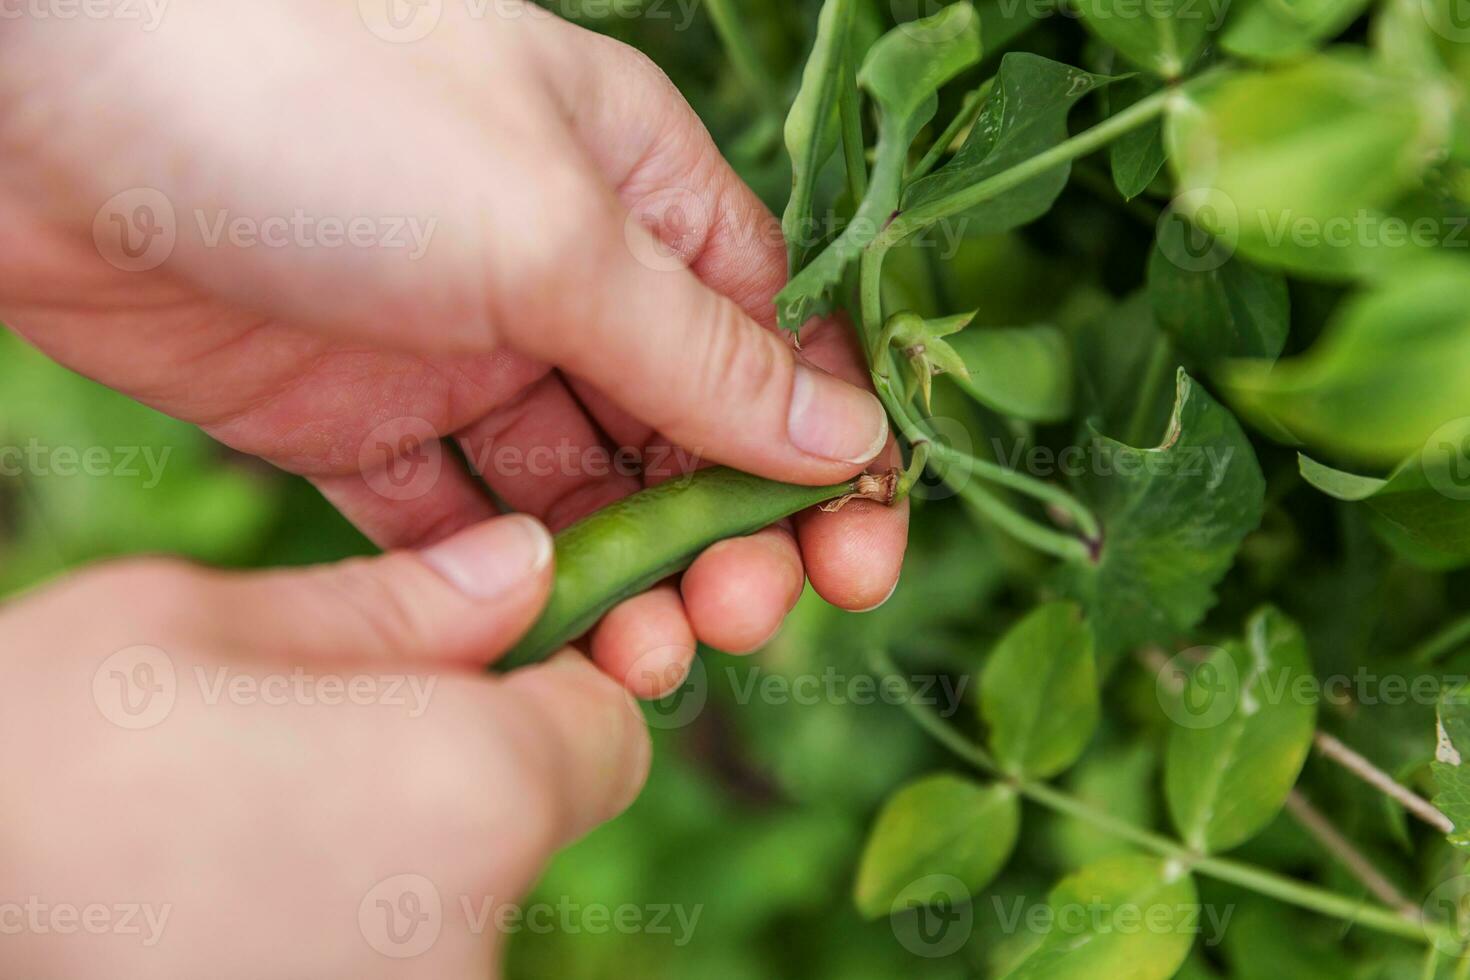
(538, 317)
(280, 774)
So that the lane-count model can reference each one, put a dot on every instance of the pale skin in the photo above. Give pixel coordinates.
(538, 316)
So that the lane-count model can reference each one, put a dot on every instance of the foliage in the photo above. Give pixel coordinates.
(1131, 608)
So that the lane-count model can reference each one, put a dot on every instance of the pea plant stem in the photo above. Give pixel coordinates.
(854, 149)
(1332, 748)
(1048, 540)
(969, 110)
(745, 58)
(1404, 925)
(1446, 641)
(1342, 850)
(912, 222)
(1155, 661)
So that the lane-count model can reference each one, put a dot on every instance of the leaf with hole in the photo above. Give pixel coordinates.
(1172, 519)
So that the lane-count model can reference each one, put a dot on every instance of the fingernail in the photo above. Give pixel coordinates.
(834, 420)
(881, 602)
(492, 558)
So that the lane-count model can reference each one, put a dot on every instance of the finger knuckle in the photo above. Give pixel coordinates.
(740, 359)
(392, 624)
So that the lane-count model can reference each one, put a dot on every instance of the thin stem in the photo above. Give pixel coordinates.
(870, 303)
(1021, 527)
(1431, 963)
(1365, 770)
(854, 149)
(1447, 640)
(1047, 493)
(1154, 373)
(1153, 659)
(1346, 854)
(1044, 539)
(1247, 876)
(969, 110)
(918, 459)
(1139, 113)
(745, 57)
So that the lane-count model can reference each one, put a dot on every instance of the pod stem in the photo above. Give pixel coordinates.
(880, 488)
(918, 459)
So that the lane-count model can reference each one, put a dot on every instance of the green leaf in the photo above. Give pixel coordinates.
(1242, 736)
(938, 825)
(1275, 30)
(1118, 778)
(1025, 114)
(1214, 304)
(1137, 156)
(1451, 774)
(1116, 351)
(1391, 370)
(1096, 917)
(812, 127)
(902, 72)
(1022, 372)
(1162, 36)
(1297, 166)
(1172, 517)
(1038, 693)
(1427, 498)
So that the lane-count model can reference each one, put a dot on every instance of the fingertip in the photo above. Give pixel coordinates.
(646, 643)
(738, 592)
(854, 556)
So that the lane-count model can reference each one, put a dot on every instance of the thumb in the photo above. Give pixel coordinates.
(583, 746)
(465, 599)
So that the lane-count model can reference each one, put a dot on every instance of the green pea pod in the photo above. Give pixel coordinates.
(626, 548)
